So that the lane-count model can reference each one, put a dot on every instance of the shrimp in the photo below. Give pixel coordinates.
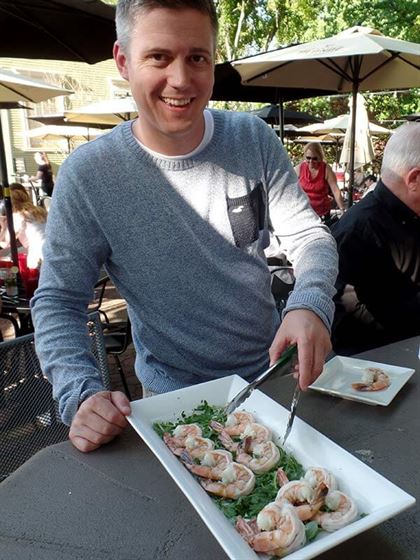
(300, 494)
(264, 456)
(280, 531)
(177, 441)
(374, 379)
(317, 475)
(344, 511)
(235, 481)
(211, 465)
(257, 433)
(235, 423)
(197, 446)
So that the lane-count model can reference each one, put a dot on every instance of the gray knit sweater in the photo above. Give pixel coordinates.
(183, 242)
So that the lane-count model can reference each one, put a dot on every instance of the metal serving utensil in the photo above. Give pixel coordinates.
(293, 408)
(284, 359)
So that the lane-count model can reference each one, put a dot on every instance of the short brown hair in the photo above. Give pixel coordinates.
(128, 10)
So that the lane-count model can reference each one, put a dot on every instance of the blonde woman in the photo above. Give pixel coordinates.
(29, 222)
(318, 179)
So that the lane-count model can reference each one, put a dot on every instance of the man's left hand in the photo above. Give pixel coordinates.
(306, 329)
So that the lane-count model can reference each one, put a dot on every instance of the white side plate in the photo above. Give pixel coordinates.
(375, 495)
(340, 372)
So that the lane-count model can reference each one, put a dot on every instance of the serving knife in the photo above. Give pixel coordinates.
(292, 414)
(284, 359)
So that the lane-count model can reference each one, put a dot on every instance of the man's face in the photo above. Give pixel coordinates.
(170, 67)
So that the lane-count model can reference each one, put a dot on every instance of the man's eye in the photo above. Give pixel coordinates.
(198, 59)
(158, 57)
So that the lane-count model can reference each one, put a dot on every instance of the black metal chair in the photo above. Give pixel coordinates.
(29, 419)
(282, 283)
(117, 338)
(98, 296)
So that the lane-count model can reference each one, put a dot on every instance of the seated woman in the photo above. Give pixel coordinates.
(29, 222)
(317, 179)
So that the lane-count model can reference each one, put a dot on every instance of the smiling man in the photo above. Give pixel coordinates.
(178, 205)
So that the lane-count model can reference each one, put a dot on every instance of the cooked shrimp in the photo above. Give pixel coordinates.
(211, 465)
(300, 494)
(235, 423)
(176, 441)
(254, 433)
(280, 530)
(197, 446)
(374, 379)
(263, 457)
(235, 481)
(317, 476)
(344, 511)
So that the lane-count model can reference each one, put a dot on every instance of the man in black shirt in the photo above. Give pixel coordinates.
(378, 239)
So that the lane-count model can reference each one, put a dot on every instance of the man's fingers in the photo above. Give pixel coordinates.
(99, 419)
(121, 401)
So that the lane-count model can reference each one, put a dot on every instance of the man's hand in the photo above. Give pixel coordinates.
(99, 419)
(304, 328)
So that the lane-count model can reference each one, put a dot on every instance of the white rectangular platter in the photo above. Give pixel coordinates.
(340, 372)
(375, 495)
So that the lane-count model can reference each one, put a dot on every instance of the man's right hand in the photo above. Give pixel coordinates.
(99, 419)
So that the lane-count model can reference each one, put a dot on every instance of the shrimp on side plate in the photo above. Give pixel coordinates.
(374, 379)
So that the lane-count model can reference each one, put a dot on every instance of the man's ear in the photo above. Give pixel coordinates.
(120, 60)
(412, 179)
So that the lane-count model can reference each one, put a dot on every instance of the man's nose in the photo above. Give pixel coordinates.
(179, 74)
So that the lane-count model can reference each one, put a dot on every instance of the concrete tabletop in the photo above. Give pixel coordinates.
(118, 503)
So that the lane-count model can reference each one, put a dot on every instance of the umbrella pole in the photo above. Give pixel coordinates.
(7, 200)
(355, 89)
(281, 119)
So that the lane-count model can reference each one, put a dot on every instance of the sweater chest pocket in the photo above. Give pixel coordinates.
(247, 216)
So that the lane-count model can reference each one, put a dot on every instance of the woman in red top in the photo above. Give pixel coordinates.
(317, 179)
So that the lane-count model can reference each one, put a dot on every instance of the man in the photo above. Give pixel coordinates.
(369, 183)
(178, 206)
(378, 240)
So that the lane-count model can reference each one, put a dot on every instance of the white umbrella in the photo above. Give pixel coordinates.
(363, 148)
(358, 59)
(340, 125)
(53, 132)
(15, 88)
(110, 112)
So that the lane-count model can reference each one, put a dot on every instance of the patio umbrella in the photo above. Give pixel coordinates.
(358, 59)
(110, 112)
(52, 132)
(413, 117)
(61, 120)
(270, 114)
(363, 148)
(228, 87)
(340, 124)
(15, 88)
(79, 30)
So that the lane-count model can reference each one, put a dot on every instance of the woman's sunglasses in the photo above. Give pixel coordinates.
(313, 158)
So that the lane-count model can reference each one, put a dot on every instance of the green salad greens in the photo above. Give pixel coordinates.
(266, 485)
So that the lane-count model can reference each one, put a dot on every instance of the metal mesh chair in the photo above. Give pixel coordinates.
(29, 419)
